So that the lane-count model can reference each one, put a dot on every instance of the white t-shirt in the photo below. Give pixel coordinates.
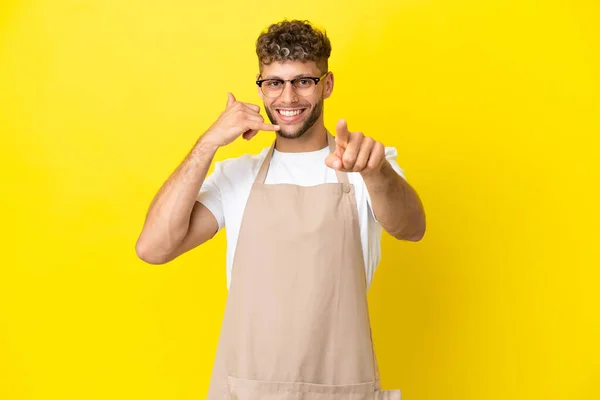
(226, 191)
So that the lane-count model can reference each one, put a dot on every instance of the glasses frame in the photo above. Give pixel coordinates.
(315, 80)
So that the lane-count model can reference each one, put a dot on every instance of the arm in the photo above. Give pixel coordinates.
(176, 222)
(395, 203)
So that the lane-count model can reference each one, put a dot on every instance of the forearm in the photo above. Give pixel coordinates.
(168, 218)
(395, 203)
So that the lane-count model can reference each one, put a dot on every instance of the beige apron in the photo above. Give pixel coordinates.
(296, 323)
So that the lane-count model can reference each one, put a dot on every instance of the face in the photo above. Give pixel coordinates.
(293, 113)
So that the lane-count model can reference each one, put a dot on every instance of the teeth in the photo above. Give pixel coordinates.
(287, 113)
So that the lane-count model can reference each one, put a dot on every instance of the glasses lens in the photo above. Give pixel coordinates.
(303, 86)
(272, 87)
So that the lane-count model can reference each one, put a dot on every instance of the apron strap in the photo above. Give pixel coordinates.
(342, 177)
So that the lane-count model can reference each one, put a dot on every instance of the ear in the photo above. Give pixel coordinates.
(328, 85)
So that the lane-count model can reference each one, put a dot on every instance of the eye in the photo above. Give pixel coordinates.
(272, 83)
(304, 82)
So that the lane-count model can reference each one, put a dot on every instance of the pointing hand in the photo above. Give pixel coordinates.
(355, 152)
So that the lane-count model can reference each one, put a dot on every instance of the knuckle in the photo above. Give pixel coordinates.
(359, 166)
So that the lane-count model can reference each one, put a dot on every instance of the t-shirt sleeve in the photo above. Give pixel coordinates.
(390, 155)
(210, 195)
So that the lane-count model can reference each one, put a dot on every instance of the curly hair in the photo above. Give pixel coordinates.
(293, 41)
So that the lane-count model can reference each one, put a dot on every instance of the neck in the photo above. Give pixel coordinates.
(315, 138)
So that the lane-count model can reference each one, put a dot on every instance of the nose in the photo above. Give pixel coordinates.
(288, 95)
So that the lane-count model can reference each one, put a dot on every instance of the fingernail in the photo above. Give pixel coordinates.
(336, 164)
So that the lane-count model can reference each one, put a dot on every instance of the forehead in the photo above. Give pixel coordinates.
(290, 69)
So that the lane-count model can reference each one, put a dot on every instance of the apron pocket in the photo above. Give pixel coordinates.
(247, 389)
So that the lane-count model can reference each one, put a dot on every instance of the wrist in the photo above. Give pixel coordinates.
(209, 140)
(204, 145)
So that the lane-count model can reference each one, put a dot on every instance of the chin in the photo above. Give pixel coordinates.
(290, 134)
(296, 129)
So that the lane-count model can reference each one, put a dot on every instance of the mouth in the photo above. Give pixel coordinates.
(290, 114)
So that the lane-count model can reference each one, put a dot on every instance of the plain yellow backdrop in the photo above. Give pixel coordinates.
(494, 108)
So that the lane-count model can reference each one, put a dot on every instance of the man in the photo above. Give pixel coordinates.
(303, 220)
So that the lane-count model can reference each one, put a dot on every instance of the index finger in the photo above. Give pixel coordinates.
(262, 126)
(343, 135)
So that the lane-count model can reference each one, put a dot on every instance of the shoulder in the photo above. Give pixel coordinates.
(391, 155)
(391, 152)
(242, 162)
(240, 168)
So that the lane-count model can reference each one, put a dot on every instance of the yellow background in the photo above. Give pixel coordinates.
(494, 108)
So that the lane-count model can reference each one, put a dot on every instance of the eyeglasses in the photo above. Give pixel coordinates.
(303, 86)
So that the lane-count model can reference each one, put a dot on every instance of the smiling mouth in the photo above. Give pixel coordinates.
(290, 113)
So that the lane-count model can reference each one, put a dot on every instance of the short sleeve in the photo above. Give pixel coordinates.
(390, 155)
(210, 195)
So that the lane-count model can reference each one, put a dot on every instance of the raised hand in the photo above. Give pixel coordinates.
(355, 152)
(238, 119)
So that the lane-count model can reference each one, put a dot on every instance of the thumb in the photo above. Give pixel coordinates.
(230, 99)
(333, 161)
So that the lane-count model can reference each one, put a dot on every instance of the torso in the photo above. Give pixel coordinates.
(235, 176)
